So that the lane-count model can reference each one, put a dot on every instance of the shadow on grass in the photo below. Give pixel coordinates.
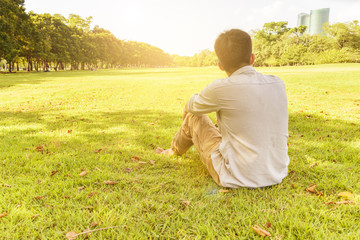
(10, 80)
(140, 129)
(314, 138)
(319, 136)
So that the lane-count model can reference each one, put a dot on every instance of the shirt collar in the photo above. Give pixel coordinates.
(243, 69)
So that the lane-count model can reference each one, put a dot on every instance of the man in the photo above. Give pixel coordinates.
(249, 149)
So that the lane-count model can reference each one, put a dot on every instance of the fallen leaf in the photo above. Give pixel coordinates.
(152, 162)
(141, 163)
(346, 195)
(97, 151)
(67, 196)
(3, 162)
(39, 197)
(152, 124)
(260, 231)
(94, 224)
(91, 194)
(135, 158)
(224, 190)
(128, 170)
(72, 235)
(311, 188)
(3, 214)
(186, 203)
(308, 116)
(313, 165)
(38, 181)
(81, 188)
(109, 182)
(52, 173)
(49, 206)
(268, 225)
(36, 215)
(83, 173)
(138, 167)
(69, 131)
(7, 185)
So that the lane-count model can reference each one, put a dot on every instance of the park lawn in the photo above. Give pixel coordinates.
(54, 126)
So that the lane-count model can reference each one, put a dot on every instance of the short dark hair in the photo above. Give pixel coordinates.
(233, 49)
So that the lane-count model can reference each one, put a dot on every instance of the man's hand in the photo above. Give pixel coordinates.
(169, 151)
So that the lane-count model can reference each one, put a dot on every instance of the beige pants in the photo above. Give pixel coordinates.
(200, 132)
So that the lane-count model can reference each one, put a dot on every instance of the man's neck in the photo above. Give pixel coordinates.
(241, 66)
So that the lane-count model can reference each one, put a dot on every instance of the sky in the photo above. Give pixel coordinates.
(186, 27)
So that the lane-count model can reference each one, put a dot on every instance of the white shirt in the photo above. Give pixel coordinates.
(252, 114)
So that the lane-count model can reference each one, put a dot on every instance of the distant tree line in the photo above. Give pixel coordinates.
(277, 45)
(39, 41)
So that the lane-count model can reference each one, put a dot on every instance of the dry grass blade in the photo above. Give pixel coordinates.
(3, 214)
(339, 203)
(74, 235)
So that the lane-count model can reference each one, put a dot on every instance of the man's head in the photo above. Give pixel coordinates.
(234, 50)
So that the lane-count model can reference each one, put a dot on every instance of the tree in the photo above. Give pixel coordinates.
(12, 15)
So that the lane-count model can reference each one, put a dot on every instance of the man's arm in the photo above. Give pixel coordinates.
(205, 102)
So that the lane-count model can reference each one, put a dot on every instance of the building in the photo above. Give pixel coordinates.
(314, 21)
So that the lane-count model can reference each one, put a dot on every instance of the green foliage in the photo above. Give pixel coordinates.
(52, 40)
(127, 113)
(277, 45)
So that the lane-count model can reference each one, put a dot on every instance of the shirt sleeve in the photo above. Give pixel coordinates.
(205, 102)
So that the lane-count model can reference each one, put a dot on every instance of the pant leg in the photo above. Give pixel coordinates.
(201, 132)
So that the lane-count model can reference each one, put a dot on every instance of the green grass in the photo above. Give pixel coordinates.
(58, 121)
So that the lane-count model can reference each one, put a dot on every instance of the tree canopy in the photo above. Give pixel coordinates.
(43, 40)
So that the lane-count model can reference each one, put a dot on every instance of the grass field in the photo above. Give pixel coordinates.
(54, 126)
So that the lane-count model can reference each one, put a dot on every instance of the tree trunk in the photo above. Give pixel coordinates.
(10, 67)
(17, 66)
(28, 64)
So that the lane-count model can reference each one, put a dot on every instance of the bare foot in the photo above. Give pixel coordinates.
(159, 150)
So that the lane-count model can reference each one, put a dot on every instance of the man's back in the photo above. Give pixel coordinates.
(253, 120)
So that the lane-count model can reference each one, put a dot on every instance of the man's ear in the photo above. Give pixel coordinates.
(252, 59)
(220, 66)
